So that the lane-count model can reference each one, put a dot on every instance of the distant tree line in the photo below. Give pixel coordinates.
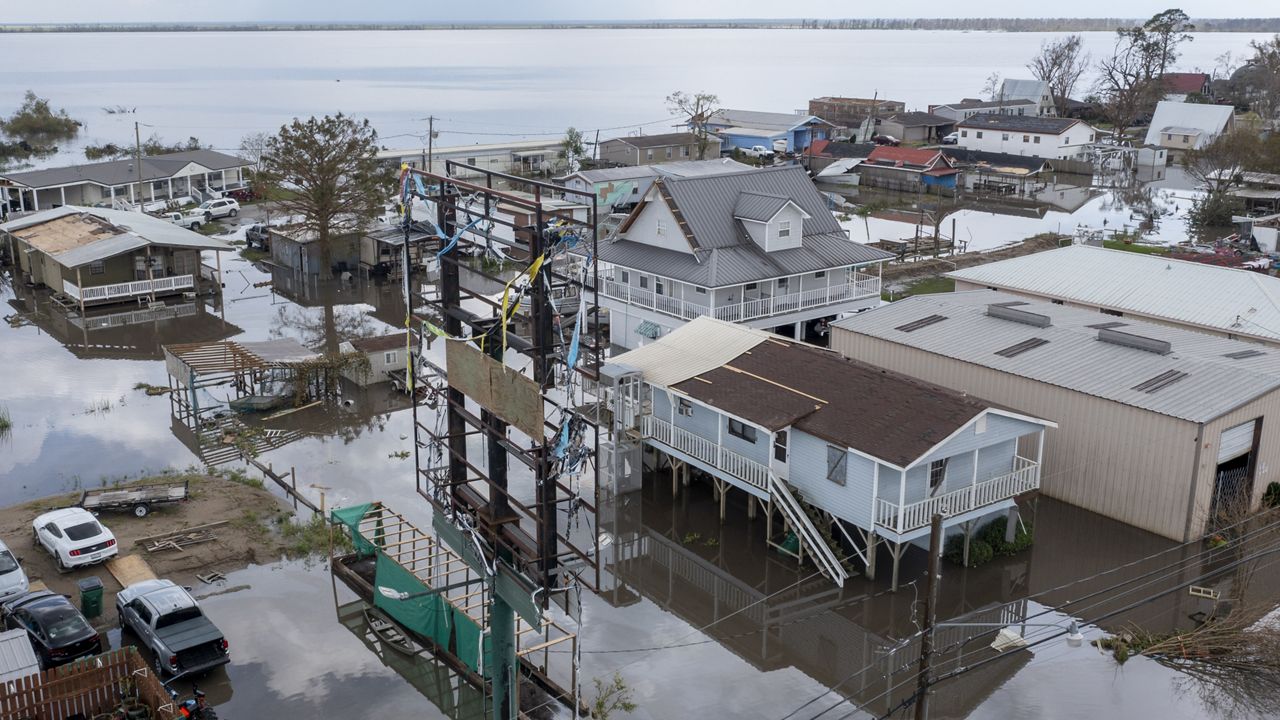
(980, 24)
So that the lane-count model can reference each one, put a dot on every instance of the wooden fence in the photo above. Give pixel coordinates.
(86, 688)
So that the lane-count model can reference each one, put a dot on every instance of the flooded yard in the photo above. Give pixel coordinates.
(701, 619)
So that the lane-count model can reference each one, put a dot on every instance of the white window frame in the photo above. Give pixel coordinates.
(743, 431)
(684, 408)
(98, 267)
(390, 357)
(784, 229)
(660, 228)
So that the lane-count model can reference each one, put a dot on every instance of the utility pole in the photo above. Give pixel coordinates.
(431, 136)
(595, 149)
(932, 582)
(137, 163)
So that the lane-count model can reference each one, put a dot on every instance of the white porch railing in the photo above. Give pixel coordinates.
(97, 322)
(913, 516)
(707, 451)
(128, 289)
(647, 299)
(865, 286)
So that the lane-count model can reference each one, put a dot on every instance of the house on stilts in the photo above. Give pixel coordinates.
(847, 455)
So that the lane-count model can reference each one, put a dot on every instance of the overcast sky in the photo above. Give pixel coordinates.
(17, 11)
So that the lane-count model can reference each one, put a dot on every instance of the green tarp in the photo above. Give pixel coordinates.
(351, 517)
(468, 634)
(425, 614)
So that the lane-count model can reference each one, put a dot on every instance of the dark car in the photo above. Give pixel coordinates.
(243, 194)
(58, 632)
(258, 235)
(886, 140)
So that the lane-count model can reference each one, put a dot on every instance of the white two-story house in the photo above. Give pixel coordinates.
(847, 455)
(1046, 137)
(759, 248)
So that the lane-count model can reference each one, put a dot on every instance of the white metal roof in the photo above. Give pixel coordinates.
(478, 148)
(1183, 118)
(136, 230)
(1204, 382)
(17, 659)
(1227, 300)
(701, 345)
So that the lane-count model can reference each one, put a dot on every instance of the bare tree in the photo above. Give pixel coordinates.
(697, 110)
(1218, 164)
(1061, 63)
(1127, 82)
(253, 146)
(991, 88)
(1264, 78)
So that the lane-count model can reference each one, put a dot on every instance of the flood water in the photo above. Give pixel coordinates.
(498, 85)
(704, 620)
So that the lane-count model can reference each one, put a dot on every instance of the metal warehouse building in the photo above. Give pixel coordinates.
(1158, 426)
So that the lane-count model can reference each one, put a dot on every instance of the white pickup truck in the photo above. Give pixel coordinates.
(190, 220)
(757, 151)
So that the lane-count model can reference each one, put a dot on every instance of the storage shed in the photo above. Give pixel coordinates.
(1157, 426)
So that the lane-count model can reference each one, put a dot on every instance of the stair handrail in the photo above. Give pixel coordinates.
(822, 553)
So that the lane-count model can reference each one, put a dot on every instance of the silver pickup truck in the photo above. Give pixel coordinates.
(170, 623)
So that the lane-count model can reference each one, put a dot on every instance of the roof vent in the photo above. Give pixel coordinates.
(1025, 345)
(1139, 342)
(1107, 325)
(922, 322)
(1163, 380)
(1005, 312)
(1242, 354)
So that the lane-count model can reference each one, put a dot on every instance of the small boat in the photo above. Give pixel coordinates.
(388, 632)
(258, 403)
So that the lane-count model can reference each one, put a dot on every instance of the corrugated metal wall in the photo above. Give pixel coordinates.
(1267, 464)
(1114, 459)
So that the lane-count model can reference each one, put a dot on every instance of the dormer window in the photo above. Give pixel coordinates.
(784, 229)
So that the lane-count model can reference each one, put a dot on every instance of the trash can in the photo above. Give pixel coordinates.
(90, 596)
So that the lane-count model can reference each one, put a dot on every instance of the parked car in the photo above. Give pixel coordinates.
(171, 625)
(222, 207)
(190, 220)
(13, 581)
(757, 151)
(951, 139)
(74, 537)
(886, 140)
(243, 194)
(58, 632)
(258, 235)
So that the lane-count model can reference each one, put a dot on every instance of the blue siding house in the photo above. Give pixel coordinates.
(808, 434)
(746, 128)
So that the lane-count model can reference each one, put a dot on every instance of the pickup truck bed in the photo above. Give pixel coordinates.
(193, 641)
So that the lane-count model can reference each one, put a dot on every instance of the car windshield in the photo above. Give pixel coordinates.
(178, 616)
(84, 530)
(7, 563)
(206, 204)
(64, 623)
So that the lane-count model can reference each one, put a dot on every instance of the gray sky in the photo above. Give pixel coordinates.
(521, 10)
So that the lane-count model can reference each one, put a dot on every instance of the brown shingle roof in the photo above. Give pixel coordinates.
(779, 383)
(382, 343)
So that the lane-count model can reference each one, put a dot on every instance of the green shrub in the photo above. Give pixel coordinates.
(1271, 496)
(987, 543)
(980, 553)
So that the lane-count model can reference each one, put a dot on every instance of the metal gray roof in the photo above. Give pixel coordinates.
(1227, 300)
(122, 172)
(760, 207)
(1025, 89)
(972, 104)
(1019, 123)
(17, 658)
(617, 173)
(1075, 358)
(726, 254)
(1186, 118)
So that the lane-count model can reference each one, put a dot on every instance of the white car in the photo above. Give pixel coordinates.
(74, 537)
(951, 139)
(13, 581)
(222, 207)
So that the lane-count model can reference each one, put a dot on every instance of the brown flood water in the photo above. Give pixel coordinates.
(703, 621)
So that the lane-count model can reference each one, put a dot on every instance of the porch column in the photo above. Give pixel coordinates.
(796, 331)
(80, 292)
(62, 194)
(22, 201)
(224, 180)
(132, 200)
(151, 282)
(1040, 449)
(902, 500)
(217, 257)
(170, 188)
(973, 488)
(35, 199)
(112, 192)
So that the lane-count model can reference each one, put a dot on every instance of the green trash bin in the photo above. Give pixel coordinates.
(90, 596)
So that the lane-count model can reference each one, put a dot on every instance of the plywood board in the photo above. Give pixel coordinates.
(130, 569)
(504, 391)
